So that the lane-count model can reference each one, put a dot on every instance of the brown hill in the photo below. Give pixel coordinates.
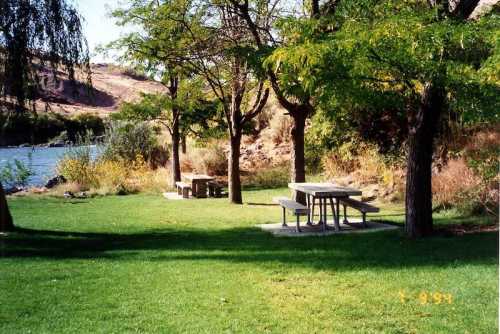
(111, 85)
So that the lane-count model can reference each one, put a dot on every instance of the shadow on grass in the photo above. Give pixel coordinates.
(238, 245)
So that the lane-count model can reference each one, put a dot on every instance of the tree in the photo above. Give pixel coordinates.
(33, 35)
(286, 82)
(220, 51)
(206, 38)
(197, 118)
(147, 50)
(244, 78)
(424, 58)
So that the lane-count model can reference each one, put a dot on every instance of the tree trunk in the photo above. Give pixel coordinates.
(234, 170)
(422, 131)
(298, 170)
(315, 9)
(6, 223)
(183, 144)
(176, 165)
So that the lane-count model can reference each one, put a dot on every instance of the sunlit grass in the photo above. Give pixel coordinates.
(144, 264)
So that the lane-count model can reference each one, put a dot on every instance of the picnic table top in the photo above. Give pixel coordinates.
(324, 189)
(198, 177)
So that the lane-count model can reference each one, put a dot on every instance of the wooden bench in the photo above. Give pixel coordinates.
(363, 207)
(214, 189)
(183, 189)
(297, 209)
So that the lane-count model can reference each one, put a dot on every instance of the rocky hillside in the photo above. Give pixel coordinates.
(111, 85)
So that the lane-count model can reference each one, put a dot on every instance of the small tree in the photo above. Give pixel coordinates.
(158, 107)
(148, 51)
(35, 34)
(220, 51)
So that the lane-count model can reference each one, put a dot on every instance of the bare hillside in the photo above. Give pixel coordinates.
(111, 85)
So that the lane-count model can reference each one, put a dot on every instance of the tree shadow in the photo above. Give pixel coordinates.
(250, 245)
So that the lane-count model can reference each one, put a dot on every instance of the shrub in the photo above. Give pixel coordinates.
(103, 176)
(16, 173)
(211, 159)
(77, 164)
(271, 177)
(482, 152)
(125, 141)
(353, 156)
(453, 185)
(341, 161)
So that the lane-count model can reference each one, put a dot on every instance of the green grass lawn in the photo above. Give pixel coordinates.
(147, 265)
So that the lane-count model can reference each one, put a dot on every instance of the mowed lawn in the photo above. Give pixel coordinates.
(142, 264)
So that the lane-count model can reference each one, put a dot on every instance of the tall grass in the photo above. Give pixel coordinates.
(120, 167)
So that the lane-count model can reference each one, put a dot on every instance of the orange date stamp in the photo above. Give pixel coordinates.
(426, 297)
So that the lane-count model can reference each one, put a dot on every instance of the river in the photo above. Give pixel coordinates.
(41, 160)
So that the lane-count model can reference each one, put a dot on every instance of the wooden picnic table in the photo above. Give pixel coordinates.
(325, 192)
(198, 184)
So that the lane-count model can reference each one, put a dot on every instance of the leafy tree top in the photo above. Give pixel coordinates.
(383, 56)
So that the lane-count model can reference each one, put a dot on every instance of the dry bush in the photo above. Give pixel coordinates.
(77, 171)
(150, 181)
(269, 177)
(110, 174)
(372, 168)
(353, 157)
(105, 177)
(211, 160)
(362, 165)
(187, 164)
(481, 153)
(454, 184)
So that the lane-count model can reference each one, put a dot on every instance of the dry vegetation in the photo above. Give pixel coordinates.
(104, 177)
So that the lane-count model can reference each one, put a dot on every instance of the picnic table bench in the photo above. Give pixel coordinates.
(297, 209)
(362, 207)
(329, 194)
(198, 184)
(214, 189)
(183, 189)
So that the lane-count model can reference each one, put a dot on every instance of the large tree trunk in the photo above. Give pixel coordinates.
(6, 223)
(298, 170)
(422, 131)
(234, 170)
(176, 165)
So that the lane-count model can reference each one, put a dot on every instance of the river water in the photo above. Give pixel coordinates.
(41, 160)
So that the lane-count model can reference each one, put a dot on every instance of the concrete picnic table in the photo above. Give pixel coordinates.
(324, 192)
(198, 184)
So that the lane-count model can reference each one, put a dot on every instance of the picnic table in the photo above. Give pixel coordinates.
(325, 193)
(198, 184)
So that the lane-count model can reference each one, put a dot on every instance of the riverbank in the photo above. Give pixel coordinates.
(47, 129)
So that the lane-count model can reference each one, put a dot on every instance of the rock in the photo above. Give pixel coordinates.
(55, 181)
(82, 194)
